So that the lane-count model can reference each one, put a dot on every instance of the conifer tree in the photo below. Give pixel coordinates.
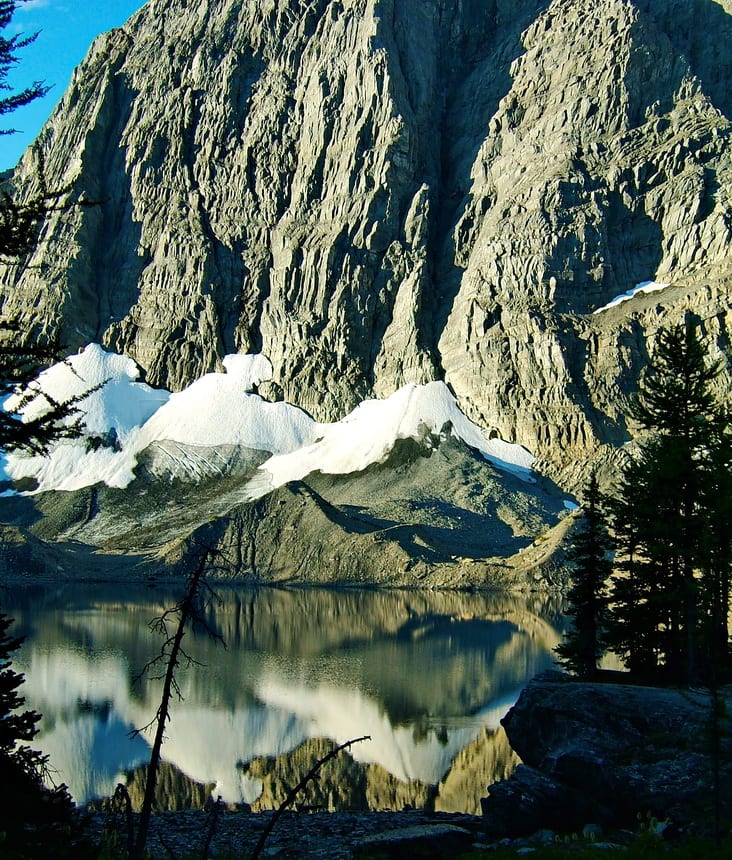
(590, 553)
(17, 222)
(661, 516)
(35, 820)
(628, 627)
(22, 354)
(716, 544)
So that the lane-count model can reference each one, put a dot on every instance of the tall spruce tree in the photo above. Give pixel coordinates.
(17, 222)
(716, 545)
(8, 58)
(35, 816)
(590, 553)
(661, 517)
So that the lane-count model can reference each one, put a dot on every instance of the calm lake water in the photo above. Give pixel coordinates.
(427, 675)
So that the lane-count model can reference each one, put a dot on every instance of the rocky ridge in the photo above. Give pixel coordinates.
(433, 514)
(370, 197)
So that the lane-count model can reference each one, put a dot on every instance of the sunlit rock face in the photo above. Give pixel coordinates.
(372, 194)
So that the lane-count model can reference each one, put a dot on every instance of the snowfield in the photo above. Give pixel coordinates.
(642, 287)
(123, 417)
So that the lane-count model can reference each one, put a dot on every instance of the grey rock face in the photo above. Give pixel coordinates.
(374, 192)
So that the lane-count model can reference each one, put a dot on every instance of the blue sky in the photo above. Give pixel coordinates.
(66, 29)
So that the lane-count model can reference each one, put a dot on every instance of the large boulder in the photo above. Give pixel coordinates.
(608, 753)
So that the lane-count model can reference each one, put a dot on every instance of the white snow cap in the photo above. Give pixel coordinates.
(121, 403)
(116, 409)
(221, 409)
(367, 435)
(642, 287)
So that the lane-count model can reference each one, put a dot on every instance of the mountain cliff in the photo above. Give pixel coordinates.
(372, 194)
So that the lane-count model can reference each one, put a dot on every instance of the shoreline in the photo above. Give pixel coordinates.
(312, 834)
(158, 580)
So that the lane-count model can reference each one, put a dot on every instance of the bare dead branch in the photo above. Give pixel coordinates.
(169, 850)
(122, 803)
(310, 776)
(172, 654)
(213, 820)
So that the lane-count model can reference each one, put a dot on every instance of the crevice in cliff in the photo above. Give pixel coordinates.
(469, 100)
(114, 296)
(223, 283)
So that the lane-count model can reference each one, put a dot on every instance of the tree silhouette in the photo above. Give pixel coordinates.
(8, 58)
(590, 552)
(35, 820)
(172, 625)
(671, 493)
(22, 353)
(17, 222)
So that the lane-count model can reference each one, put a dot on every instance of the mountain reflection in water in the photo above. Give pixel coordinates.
(427, 675)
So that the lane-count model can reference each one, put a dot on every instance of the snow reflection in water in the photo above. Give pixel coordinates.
(427, 675)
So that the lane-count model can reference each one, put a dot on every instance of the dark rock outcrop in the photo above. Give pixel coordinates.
(607, 753)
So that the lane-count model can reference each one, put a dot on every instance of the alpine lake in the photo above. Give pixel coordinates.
(290, 673)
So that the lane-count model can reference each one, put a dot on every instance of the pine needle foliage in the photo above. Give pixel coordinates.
(24, 353)
(671, 516)
(591, 555)
(35, 819)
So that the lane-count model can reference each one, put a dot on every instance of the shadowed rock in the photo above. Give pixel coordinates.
(608, 753)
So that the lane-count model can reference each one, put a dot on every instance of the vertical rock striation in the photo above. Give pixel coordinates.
(374, 192)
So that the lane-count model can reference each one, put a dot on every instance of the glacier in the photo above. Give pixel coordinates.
(122, 417)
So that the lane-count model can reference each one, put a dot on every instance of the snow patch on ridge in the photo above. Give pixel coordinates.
(122, 403)
(113, 413)
(367, 435)
(219, 409)
(642, 287)
(124, 417)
